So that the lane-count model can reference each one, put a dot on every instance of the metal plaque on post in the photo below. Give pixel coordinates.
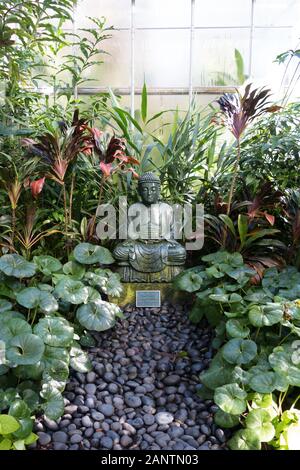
(148, 298)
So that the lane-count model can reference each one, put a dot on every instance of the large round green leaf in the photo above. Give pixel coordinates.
(239, 351)
(30, 398)
(32, 297)
(54, 332)
(86, 253)
(53, 353)
(260, 423)
(47, 264)
(8, 424)
(71, 291)
(260, 400)
(219, 373)
(189, 281)
(98, 315)
(265, 315)
(4, 305)
(25, 349)
(240, 376)
(19, 409)
(231, 399)
(26, 425)
(74, 270)
(237, 329)
(113, 285)
(58, 370)
(16, 266)
(281, 362)
(79, 360)
(267, 382)
(225, 420)
(8, 315)
(14, 327)
(93, 294)
(28, 372)
(54, 402)
(245, 439)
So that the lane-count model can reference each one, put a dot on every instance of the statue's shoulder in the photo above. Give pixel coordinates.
(135, 208)
(165, 206)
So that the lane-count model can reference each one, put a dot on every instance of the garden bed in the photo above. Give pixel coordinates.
(142, 391)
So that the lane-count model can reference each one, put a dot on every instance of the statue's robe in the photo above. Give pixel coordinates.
(150, 246)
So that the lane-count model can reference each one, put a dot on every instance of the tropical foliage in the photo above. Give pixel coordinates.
(254, 377)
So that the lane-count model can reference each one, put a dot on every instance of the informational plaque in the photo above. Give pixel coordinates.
(147, 298)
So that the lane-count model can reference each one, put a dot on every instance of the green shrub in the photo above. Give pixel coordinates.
(254, 377)
(45, 309)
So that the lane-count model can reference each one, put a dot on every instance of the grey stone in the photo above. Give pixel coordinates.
(126, 441)
(133, 401)
(60, 436)
(74, 447)
(148, 419)
(176, 432)
(113, 388)
(106, 442)
(71, 409)
(60, 446)
(220, 435)
(205, 446)
(76, 438)
(91, 377)
(89, 432)
(90, 389)
(50, 424)
(107, 410)
(97, 416)
(205, 429)
(90, 402)
(164, 417)
(138, 423)
(172, 379)
(44, 438)
(86, 422)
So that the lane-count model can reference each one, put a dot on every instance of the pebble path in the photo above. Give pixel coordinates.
(142, 391)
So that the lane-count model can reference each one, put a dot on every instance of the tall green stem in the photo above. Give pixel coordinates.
(235, 173)
(99, 201)
(71, 198)
(65, 208)
(13, 226)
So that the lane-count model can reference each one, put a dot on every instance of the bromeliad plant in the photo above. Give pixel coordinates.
(254, 377)
(46, 311)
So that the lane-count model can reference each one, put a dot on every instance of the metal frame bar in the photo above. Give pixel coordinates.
(191, 89)
(251, 38)
(127, 91)
(132, 68)
(192, 37)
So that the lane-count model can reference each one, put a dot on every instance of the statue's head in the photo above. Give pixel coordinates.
(149, 188)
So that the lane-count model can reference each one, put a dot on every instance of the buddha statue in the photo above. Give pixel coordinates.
(150, 253)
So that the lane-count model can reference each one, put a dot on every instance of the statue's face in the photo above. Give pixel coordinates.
(149, 193)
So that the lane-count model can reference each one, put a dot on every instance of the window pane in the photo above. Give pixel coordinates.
(276, 12)
(162, 13)
(115, 71)
(267, 44)
(222, 13)
(162, 57)
(214, 56)
(116, 12)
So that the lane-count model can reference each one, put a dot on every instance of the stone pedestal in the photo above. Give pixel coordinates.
(167, 293)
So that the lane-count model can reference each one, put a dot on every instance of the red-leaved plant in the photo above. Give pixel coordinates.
(237, 112)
